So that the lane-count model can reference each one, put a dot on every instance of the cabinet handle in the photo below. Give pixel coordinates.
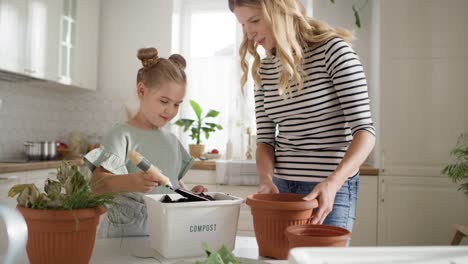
(382, 191)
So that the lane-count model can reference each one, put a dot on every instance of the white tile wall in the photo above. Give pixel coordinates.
(37, 113)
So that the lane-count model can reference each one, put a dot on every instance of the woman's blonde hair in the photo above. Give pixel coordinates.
(292, 31)
(158, 70)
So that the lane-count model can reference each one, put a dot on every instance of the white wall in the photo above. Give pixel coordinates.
(33, 113)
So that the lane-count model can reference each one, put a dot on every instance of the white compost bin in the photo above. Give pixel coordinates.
(179, 229)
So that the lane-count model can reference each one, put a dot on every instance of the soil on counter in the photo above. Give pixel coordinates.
(167, 199)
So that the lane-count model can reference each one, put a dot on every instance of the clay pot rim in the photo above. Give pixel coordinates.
(296, 231)
(253, 201)
(62, 214)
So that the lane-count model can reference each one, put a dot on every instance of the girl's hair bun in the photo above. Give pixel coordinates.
(179, 61)
(148, 57)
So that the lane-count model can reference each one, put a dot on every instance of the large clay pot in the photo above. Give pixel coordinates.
(272, 214)
(310, 235)
(61, 236)
(196, 150)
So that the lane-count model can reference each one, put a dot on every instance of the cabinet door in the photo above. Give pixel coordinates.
(6, 182)
(365, 228)
(43, 39)
(87, 34)
(245, 224)
(419, 210)
(13, 40)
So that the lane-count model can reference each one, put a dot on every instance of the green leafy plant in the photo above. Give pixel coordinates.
(70, 191)
(222, 256)
(458, 171)
(356, 10)
(199, 125)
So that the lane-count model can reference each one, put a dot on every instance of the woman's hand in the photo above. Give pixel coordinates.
(267, 187)
(144, 182)
(325, 193)
(199, 189)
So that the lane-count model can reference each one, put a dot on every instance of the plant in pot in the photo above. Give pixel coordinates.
(458, 171)
(62, 220)
(199, 126)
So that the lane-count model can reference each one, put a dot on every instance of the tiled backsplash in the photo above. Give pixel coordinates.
(37, 113)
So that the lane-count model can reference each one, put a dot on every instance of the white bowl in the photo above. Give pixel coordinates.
(212, 156)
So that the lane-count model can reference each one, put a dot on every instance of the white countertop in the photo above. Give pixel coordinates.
(125, 250)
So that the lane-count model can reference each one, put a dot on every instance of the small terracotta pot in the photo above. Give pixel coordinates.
(61, 236)
(196, 150)
(310, 235)
(272, 214)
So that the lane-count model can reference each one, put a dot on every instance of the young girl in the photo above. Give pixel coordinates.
(314, 126)
(160, 88)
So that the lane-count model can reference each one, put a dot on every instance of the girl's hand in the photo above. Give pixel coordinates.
(267, 187)
(144, 182)
(325, 193)
(199, 189)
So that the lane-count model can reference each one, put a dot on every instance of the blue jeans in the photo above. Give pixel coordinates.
(343, 213)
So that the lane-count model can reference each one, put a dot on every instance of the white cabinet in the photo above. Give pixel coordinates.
(7, 180)
(87, 44)
(365, 228)
(55, 40)
(419, 210)
(79, 43)
(42, 39)
(30, 34)
(13, 29)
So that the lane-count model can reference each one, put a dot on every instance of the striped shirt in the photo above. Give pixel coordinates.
(311, 129)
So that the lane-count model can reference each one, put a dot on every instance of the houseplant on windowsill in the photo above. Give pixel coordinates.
(458, 171)
(62, 220)
(199, 126)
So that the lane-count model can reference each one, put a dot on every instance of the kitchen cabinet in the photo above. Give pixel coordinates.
(7, 180)
(30, 35)
(365, 227)
(79, 43)
(419, 210)
(54, 40)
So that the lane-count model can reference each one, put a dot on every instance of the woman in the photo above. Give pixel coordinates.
(314, 126)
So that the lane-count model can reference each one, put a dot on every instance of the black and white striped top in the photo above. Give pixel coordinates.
(311, 129)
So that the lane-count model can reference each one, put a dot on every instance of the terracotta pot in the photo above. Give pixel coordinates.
(61, 236)
(272, 214)
(196, 150)
(310, 235)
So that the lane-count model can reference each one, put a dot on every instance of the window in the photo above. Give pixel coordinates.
(209, 40)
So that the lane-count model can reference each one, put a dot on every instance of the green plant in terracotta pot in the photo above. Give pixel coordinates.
(458, 171)
(62, 220)
(199, 126)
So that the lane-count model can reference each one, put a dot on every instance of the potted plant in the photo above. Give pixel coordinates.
(199, 126)
(458, 171)
(61, 220)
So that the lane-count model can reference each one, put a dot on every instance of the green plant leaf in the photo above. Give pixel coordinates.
(333, 1)
(196, 108)
(357, 19)
(213, 125)
(52, 186)
(212, 113)
(185, 123)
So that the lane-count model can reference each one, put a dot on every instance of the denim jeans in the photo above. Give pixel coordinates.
(344, 208)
